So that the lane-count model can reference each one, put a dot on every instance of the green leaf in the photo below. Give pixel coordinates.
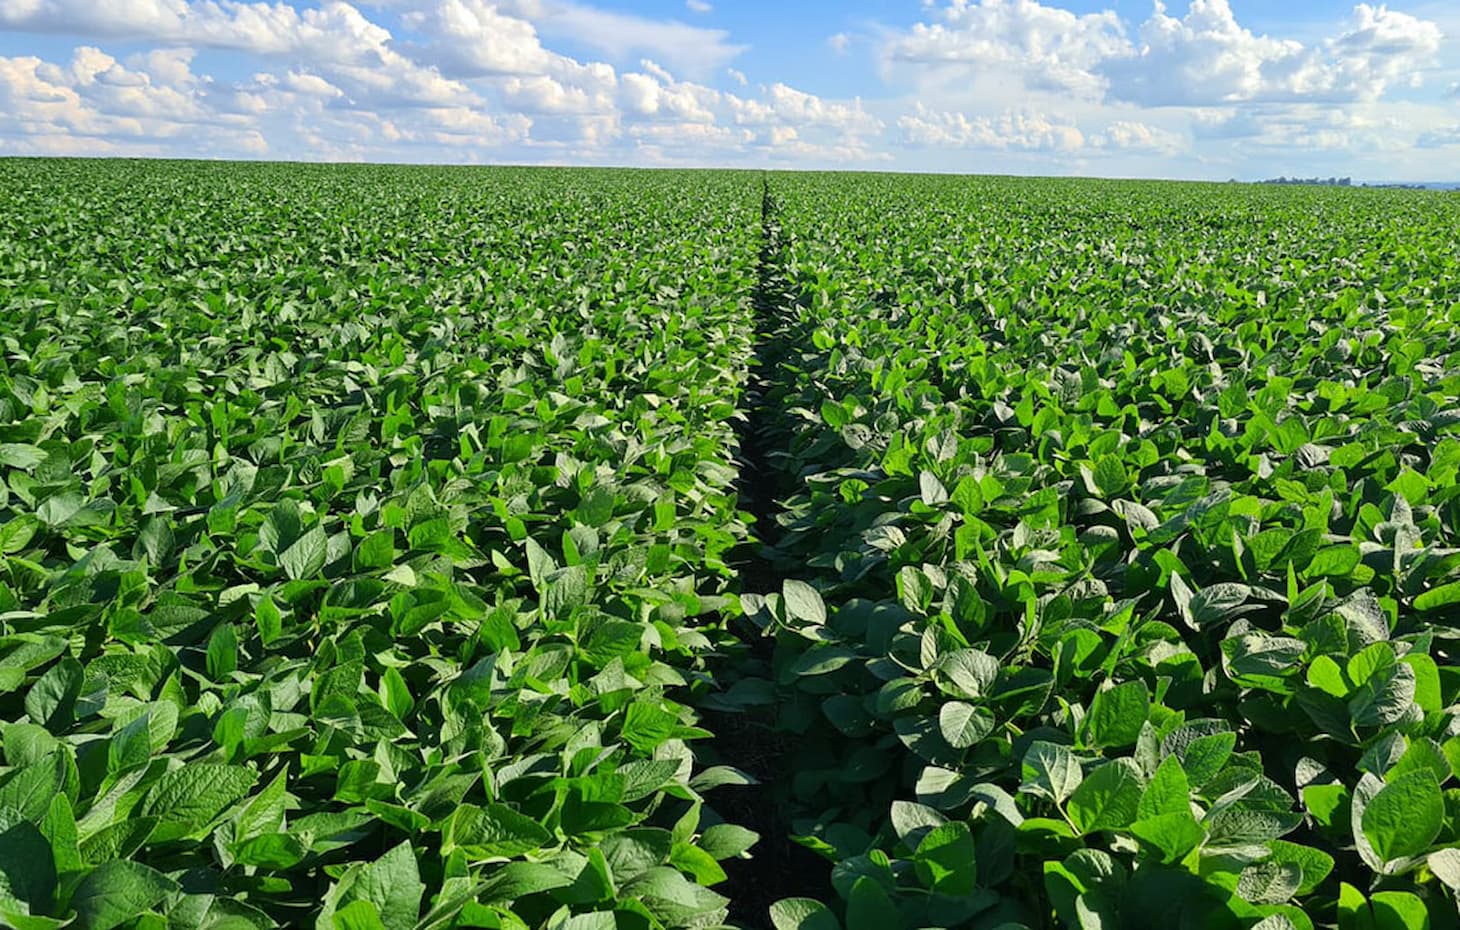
(396, 694)
(306, 556)
(1326, 803)
(281, 527)
(945, 860)
(376, 551)
(869, 907)
(1107, 799)
(268, 619)
(1270, 882)
(963, 725)
(264, 813)
(931, 489)
(494, 831)
(1406, 815)
(116, 892)
(1399, 910)
(1168, 791)
(727, 841)
(647, 726)
(29, 791)
(1314, 863)
(358, 915)
(1446, 595)
(1110, 477)
(1334, 562)
(1116, 715)
(19, 455)
(1206, 755)
(803, 602)
(802, 914)
(189, 797)
(51, 701)
(393, 884)
(969, 672)
(1172, 835)
(58, 509)
(1051, 771)
(912, 821)
(27, 866)
(59, 828)
(222, 656)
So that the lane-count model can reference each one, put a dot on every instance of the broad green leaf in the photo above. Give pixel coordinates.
(1446, 595)
(964, 725)
(803, 602)
(1051, 771)
(870, 908)
(945, 860)
(188, 797)
(802, 914)
(306, 556)
(1167, 792)
(116, 892)
(1406, 815)
(1116, 715)
(969, 673)
(1107, 799)
(1170, 835)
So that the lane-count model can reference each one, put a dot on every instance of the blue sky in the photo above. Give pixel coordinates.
(1188, 88)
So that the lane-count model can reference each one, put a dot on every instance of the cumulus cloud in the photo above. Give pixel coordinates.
(1202, 58)
(1208, 58)
(1133, 135)
(109, 107)
(472, 38)
(1048, 47)
(1307, 128)
(1017, 130)
(335, 38)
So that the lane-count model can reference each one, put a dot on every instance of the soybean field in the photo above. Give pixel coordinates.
(413, 548)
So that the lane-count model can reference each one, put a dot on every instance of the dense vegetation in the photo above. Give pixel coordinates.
(405, 547)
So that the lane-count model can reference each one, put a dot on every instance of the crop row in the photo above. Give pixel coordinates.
(1122, 554)
(363, 535)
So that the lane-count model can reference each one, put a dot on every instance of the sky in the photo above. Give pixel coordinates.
(1212, 89)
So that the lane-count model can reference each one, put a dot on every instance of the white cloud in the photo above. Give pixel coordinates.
(302, 82)
(693, 50)
(471, 38)
(1023, 131)
(335, 38)
(1203, 58)
(839, 42)
(699, 6)
(783, 105)
(653, 92)
(1447, 137)
(1047, 47)
(109, 107)
(738, 77)
(1133, 135)
(1208, 58)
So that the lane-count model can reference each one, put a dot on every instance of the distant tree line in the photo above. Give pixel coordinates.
(1322, 182)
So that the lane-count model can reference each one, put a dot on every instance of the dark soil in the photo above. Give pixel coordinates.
(779, 867)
